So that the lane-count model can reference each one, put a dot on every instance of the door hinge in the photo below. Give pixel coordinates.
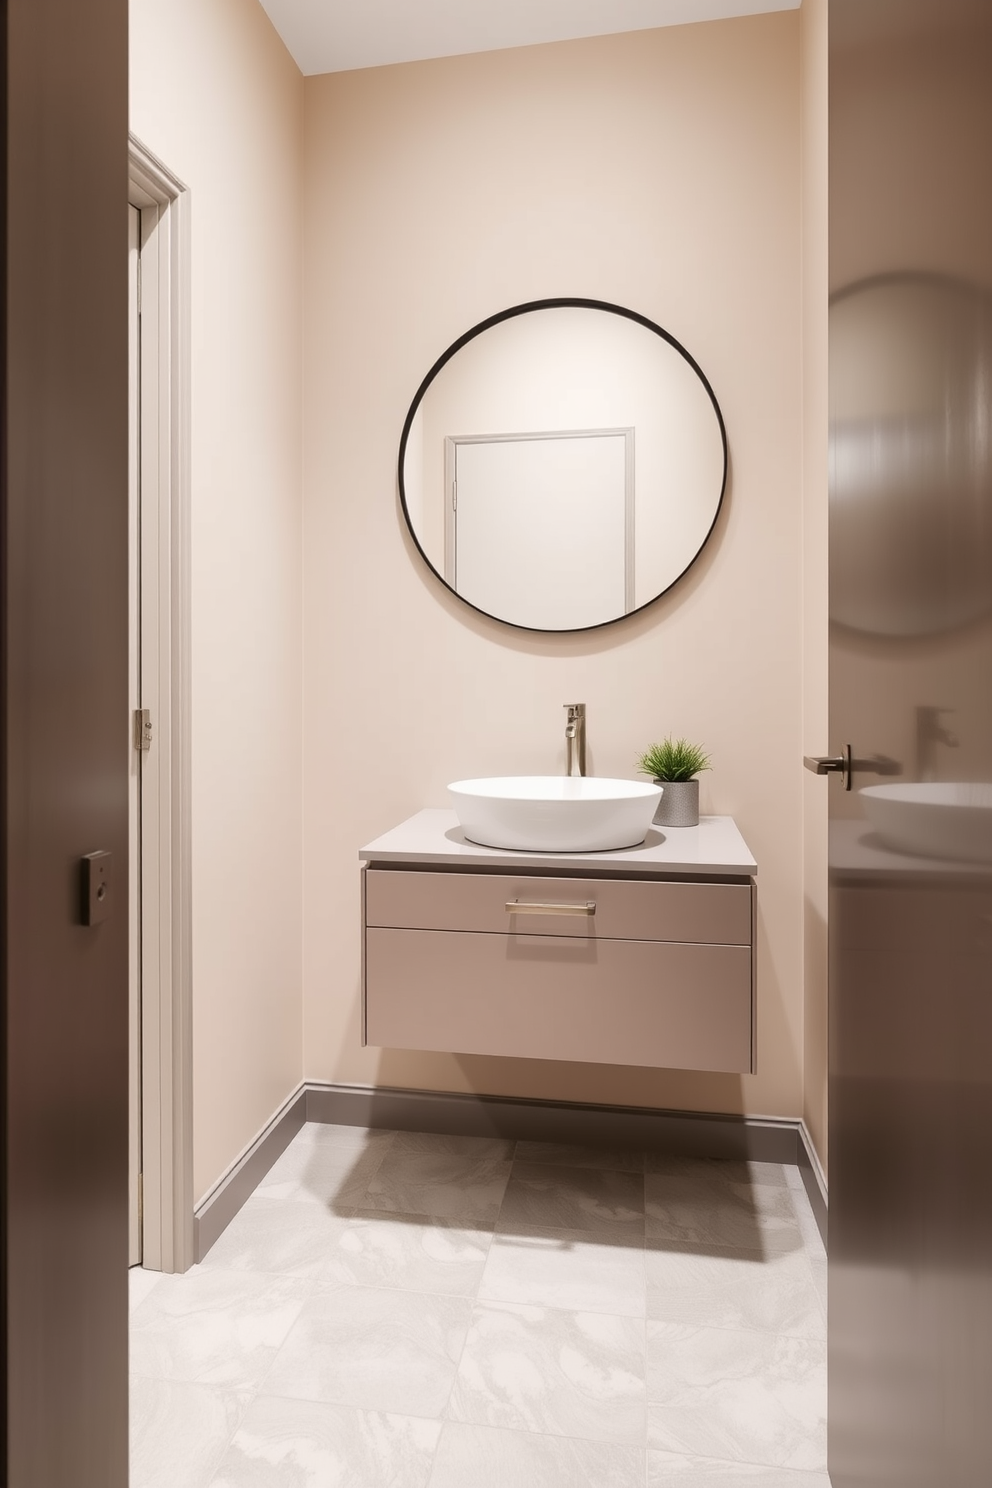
(142, 728)
(454, 495)
(141, 1199)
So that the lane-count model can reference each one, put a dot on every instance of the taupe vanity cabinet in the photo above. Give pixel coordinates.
(643, 956)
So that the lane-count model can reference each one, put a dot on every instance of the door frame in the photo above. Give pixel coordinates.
(166, 941)
(134, 766)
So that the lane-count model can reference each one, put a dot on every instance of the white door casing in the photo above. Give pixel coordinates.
(163, 938)
(134, 773)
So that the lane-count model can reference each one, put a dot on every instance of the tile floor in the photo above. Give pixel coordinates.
(399, 1310)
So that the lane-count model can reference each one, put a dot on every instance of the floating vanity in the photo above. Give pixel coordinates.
(640, 956)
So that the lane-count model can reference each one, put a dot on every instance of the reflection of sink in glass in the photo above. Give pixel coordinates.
(555, 813)
(939, 819)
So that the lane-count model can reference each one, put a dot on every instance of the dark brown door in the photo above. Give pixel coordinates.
(911, 686)
(64, 575)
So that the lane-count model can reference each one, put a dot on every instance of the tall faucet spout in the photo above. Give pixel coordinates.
(575, 738)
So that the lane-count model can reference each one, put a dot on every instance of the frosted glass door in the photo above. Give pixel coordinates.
(541, 527)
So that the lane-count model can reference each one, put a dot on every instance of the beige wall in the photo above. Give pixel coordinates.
(813, 33)
(661, 171)
(216, 96)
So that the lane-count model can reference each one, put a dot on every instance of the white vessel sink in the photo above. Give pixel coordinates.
(938, 819)
(555, 813)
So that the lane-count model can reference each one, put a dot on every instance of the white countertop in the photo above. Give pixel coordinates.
(434, 836)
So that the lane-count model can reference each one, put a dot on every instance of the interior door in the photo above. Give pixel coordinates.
(910, 1083)
(64, 678)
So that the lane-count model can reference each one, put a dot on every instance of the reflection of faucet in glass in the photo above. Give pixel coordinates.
(930, 732)
(575, 738)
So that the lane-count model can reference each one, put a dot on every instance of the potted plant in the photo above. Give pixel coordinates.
(674, 764)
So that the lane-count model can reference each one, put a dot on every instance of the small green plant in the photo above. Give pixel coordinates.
(673, 759)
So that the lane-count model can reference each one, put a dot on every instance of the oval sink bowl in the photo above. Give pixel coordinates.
(555, 813)
(937, 819)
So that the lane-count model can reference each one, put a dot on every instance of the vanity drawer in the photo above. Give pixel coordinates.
(625, 909)
(673, 1006)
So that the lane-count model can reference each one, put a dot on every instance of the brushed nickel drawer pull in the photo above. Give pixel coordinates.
(527, 906)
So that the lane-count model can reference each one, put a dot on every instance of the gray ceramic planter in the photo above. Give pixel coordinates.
(679, 804)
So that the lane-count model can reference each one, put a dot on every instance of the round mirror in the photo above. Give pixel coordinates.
(910, 455)
(562, 464)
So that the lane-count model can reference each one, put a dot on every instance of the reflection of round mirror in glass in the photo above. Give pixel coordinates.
(562, 464)
(910, 455)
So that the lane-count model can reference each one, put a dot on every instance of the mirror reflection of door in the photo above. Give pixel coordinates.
(540, 525)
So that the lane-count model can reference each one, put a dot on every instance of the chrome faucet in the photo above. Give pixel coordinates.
(575, 738)
(930, 732)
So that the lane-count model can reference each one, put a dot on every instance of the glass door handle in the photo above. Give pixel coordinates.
(831, 764)
(824, 764)
(845, 765)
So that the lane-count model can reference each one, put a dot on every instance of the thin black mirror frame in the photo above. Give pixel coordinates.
(526, 309)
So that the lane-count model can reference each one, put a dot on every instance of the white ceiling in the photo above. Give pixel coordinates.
(337, 35)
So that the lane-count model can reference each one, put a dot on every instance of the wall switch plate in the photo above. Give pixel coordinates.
(97, 895)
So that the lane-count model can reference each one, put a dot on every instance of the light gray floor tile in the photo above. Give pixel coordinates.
(180, 1431)
(575, 1374)
(622, 1159)
(720, 1170)
(794, 1178)
(336, 1134)
(411, 1251)
(325, 1171)
(357, 1319)
(711, 1210)
(818, 1268)
(495, 1149)
(286, 1237)
(139, 1284)
(301, 1444)
(580, 1270)
(214, 1327)
(554, 1196)
(737, 1396)
(484, 1457)
(375, 1349)
(673, 1470)
(735, 1289)
(447, 1183)
(808, 1227)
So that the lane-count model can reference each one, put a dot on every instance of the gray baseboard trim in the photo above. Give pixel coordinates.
(212, 1217)
(681, 1133)
(814, 1183)
(685, 1133)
